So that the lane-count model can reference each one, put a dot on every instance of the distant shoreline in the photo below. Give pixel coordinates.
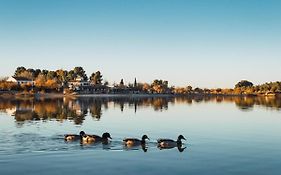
(61, 95)
(75, 82)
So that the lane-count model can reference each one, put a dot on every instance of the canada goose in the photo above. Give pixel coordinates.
(95, 138)
(129, 142)
(74, 137)
(169, 143)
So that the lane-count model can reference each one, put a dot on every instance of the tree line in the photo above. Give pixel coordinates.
(48, 79)
(56, 81)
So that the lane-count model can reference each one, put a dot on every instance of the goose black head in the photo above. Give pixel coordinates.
(181, 137)
(144, 137)
(106, 135)
(82, 133)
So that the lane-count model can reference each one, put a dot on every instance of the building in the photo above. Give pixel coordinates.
(21, 80)
(78, 84)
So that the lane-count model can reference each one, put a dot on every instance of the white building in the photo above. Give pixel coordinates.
(78, 83)
(20, 80)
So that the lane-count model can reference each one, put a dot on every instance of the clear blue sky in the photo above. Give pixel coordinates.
(205, 43)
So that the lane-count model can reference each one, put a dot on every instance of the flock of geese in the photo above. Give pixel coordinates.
(128, 142)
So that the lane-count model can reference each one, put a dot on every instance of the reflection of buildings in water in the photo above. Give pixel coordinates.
(11, 111)
(21, 113)
(76, 107)
(23, 109)
(25, 115)
(95, 110)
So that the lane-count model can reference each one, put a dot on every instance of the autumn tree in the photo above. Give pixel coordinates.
(26, 74)
(31, 71)
(79, 71)
(45, 72)
(40, 80)
(244, 83)
(61, 75)
(159, 86)
(96, 78)
(189, 89)
(4, 85)
(51, 84)
(19, 70)
(71, 75)
(36, 72)
(145, 87)
(51, 75)
(198, 90)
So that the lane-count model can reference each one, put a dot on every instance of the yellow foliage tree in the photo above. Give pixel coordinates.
(40, 80)
(51, 84)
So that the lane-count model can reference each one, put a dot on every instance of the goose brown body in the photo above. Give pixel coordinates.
(169, 143)
(74, 137)
(134, 141)
(87, 138)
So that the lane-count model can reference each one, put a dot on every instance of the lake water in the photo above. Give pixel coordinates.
(224, 135)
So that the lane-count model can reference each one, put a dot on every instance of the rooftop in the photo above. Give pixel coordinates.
(22, 78)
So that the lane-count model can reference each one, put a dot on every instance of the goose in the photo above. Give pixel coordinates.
(95, 138)
(169, 143)
(74, 137)
(130, 142)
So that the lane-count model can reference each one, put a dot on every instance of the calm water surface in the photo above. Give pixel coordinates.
(224, 135)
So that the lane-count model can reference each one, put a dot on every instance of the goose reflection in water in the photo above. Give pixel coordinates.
(95, 145)
(180, 148)
(138, 147)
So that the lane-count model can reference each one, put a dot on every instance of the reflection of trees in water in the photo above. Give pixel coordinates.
(269, 102)
(244, 103)
(75, 109)
(183, 100)
(247, 103)
(157, 103)
(43, 109)
(95, 108)
(160, 104)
